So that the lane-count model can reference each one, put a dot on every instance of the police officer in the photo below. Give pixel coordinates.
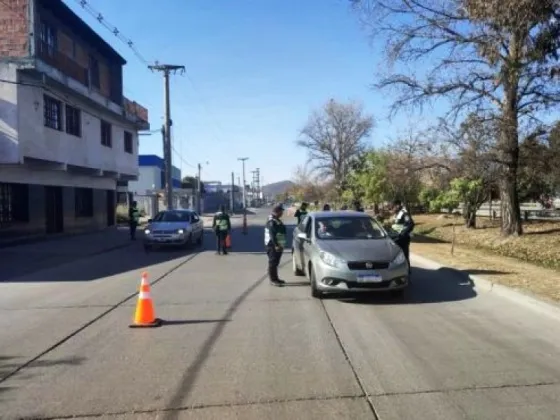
(275, 241)
(222, 228)
(358, 206)
(133, 219)
(326, 207)
(301, 213)
(403, 225)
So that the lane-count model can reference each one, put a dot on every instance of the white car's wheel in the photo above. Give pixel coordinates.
(295, 269)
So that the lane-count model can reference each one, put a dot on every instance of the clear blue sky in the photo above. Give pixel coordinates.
(258, 68)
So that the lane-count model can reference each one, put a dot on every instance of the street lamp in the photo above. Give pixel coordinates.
(243, 159)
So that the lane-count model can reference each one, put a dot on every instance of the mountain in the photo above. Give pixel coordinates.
(272, 190)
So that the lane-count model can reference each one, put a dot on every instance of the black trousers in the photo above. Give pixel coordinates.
(221, 241)
(133, 226)
(404, 243)
(274, 258)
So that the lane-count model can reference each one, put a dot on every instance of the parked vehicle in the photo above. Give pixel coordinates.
(348, 251)
(174, 228)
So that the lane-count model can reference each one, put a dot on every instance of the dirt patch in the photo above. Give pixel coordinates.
(530, 262)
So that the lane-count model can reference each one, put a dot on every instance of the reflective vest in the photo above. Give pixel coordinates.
(399, 221)
(280, 234)
(222, 222)
(135, 215)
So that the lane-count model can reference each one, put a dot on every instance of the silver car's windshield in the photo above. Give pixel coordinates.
(172, 216)
(348, 228)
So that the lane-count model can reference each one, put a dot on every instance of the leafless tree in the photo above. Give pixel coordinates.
(493, 57)
(334, 136)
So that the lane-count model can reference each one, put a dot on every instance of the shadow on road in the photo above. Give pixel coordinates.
(10, 365)
(193, 321)
(101, 265)
(428, 286)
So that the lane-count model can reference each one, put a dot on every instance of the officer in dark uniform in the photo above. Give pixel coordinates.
(326, 207)
(275, 242)
(358, 206)
(222, 227)
(301, 213)
(403, 225)
(133, 219)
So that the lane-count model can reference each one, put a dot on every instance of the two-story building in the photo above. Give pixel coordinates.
(68, 136)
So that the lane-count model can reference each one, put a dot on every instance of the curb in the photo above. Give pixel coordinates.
(520, 297)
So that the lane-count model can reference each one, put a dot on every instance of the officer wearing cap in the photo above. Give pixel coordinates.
(403, 225)
(275, 242)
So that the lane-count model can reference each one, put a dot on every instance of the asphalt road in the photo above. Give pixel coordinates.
(233, 347)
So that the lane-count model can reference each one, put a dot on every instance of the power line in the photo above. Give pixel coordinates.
(113, 29)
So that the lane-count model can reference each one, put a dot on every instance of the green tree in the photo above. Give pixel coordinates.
(191, 182)
(493, 57)
(471, 193)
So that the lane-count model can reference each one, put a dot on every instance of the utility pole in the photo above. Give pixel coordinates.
(198, 192)
(166, 69)
(232, 193)
(244, 183)
(258, 184)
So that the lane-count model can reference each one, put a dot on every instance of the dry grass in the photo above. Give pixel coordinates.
(539, 245)
(530, 262)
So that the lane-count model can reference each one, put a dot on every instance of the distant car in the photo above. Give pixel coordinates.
(175, 228)
(348, 251)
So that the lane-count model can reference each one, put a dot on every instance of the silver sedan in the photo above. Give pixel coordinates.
(178, 228)
(348, 251)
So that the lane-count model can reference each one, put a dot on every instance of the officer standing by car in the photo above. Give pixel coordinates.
(133, 219)
(222, 228)
(275, 242)
(301, 213)
(403, 225)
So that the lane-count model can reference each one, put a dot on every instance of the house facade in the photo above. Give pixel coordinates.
(151, 175)
(68, 136)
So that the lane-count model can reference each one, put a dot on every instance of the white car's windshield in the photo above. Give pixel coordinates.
(348, 228)
(172, 216)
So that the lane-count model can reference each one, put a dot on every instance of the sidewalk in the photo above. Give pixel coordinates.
(26, 258)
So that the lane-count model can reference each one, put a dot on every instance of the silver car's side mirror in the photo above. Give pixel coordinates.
(302, 236)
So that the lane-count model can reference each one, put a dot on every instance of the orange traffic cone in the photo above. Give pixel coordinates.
(145, 314)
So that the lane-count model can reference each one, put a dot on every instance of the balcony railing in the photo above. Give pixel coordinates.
(62, 62)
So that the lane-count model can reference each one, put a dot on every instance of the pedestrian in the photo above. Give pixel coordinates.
(326, 207)
(222, 228)
(301, 213)
(133, 219)
(403, 225)
(275, 241)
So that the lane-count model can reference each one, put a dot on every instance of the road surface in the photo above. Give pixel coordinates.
(233, 347)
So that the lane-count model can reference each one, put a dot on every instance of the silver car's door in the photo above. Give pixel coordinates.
(196, 224)
(306, 244)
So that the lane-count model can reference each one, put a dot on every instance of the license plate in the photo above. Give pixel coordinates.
(370, 278)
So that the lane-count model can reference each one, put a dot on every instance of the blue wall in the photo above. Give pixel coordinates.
(156, 161)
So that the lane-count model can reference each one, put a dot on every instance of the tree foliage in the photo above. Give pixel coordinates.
(491, 57)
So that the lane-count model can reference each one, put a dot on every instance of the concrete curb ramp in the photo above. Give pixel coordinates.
(550, 309)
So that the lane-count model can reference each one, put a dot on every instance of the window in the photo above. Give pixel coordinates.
(14, 204)
(73, 121)
(106, 138)
(48, 39)
(83, 202)
(355, 228)
(128, 144)
(53, 113)
(94, 77)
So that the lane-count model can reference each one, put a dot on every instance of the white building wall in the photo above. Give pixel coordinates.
(22, 130)
(149, 178)
(21, 174)
(38, 141)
